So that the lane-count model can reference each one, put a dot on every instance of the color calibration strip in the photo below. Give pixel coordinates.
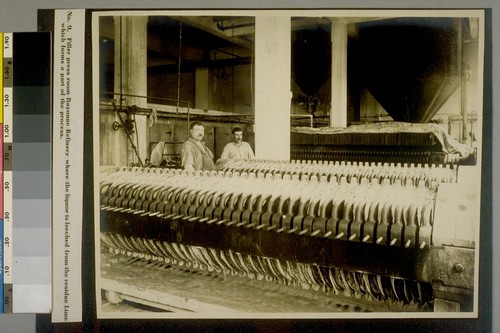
(31, 175)
(2, 250)
(7, 172)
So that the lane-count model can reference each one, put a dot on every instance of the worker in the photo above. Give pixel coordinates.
(237, 149)
(194, 154)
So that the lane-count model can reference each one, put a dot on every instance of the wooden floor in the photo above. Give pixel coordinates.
(187, 289)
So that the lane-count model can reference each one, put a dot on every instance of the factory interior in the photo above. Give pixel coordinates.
(364, 192)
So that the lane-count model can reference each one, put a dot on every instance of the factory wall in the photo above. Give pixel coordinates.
(229, 88)
(225, 94)
(163, 84)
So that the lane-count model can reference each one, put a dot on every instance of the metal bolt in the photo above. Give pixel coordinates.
(459, 268)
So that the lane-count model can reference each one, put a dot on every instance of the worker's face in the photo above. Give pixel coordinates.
(238, 136)
(197, 132)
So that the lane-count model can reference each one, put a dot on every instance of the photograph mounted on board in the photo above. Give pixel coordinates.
(287, 163)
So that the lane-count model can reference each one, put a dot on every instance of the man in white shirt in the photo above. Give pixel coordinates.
(237, 149)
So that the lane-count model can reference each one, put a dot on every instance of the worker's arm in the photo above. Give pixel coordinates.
(187, 156)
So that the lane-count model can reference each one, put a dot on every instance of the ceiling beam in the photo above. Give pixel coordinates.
(207, 24)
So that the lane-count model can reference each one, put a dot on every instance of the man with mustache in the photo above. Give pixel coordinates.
(194, 154)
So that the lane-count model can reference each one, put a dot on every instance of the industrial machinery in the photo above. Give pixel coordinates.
(370, 218)
(380, 142)
(276, 236)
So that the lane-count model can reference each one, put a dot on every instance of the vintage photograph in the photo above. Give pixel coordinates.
(287, 163)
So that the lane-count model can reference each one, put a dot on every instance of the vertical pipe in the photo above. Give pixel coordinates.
(463, 84)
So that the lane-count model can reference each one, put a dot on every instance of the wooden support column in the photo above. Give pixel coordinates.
(338, 113)
(131, 79)
(272, 87)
